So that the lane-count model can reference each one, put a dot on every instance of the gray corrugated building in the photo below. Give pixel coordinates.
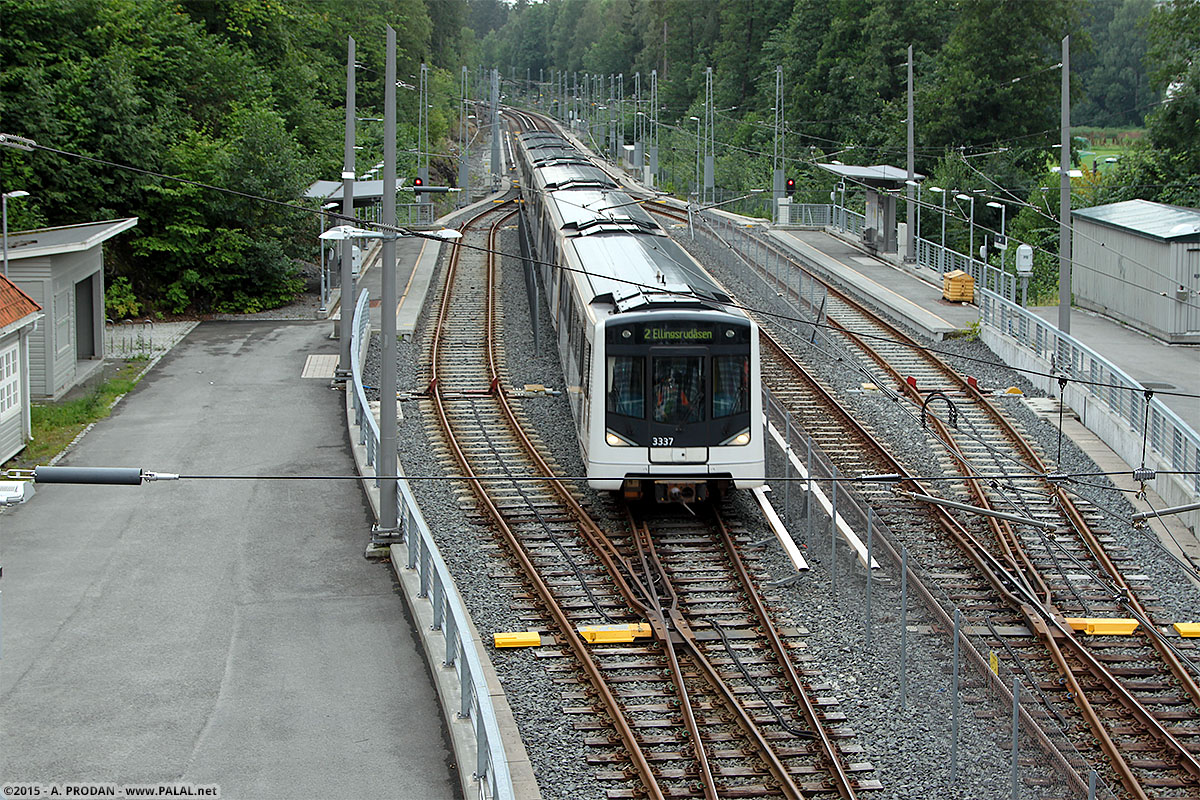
(62, 270)
(1139, 262)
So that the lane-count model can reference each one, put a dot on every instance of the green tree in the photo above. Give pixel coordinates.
(995, 82)
(1115, 87)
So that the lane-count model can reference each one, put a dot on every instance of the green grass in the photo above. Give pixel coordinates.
(56, 424)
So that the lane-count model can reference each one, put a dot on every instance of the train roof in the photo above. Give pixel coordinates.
(629, 259)
(583, 211)
(637, 271)
(559, 163)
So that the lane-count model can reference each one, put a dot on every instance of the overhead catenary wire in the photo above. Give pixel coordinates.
(400, 230)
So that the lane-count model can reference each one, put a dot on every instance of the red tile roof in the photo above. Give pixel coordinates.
(15, 305)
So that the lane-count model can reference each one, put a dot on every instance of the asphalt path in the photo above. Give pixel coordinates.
(223, 632)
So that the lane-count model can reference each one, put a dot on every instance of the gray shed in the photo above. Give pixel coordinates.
(1139, 262)
(62, 269)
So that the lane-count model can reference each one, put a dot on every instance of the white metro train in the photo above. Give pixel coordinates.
(661, 370)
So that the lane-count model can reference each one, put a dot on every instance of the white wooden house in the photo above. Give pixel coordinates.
(18, 318)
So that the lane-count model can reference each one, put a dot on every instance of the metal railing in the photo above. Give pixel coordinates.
(937, 257)
(808, 215)
(1044, 747)
(1172, 439)
(449, 616)
(132, 338)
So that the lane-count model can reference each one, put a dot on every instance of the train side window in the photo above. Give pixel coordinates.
(626, 393)
(679, 389)
(731, 385)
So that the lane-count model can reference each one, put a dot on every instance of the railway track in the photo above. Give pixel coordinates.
(1130, 698)
(706, 700)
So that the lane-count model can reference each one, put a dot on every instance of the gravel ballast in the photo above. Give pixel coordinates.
(910, 748)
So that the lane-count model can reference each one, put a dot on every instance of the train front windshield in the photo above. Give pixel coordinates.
(677, 384)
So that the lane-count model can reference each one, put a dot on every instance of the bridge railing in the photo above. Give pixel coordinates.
(1139, 416)
(437, 585)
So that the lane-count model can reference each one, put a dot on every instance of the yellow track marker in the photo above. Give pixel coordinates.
(517, 639)
(609, 634)
(1188, 630)
(1094, 626)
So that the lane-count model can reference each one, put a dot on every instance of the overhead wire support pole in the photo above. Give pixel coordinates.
(464, 133)
(495, 129)
(910, 239)
(388, 435)
(1064, 196)
(777, 154)
(654, 181)
(423, 132)
(709, 191)
(347, 283)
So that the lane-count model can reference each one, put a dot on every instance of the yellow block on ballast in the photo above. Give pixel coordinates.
(1013, 390)
(1188, 630)
(609, 634)
(1096, 626)
(517, 639)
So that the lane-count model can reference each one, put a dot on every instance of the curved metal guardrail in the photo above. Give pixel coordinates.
(449, 616)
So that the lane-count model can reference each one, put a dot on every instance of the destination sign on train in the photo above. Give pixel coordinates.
(678, 335)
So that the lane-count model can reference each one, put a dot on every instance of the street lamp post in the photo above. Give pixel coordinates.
(1003, 211)
(4, 213)
(842, 205)
(971, 225)
(942, 241)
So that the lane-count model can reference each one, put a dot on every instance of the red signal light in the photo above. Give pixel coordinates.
(790, 186)
(418, 181)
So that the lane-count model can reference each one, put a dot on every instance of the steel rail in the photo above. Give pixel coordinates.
(841, 778)
(636, 755)
(957, 533)
(688, 638)
(1075, 518)
(1048, 617)
(1018, 553)
(649, 556)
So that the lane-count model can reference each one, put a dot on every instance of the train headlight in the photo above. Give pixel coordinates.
(739, 440)
(613, 440)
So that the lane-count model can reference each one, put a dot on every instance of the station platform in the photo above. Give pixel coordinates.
(902, 292)
(415, 262)
(216, 631)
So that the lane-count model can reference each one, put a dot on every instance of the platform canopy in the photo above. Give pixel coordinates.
(44, 242)
(880, 175)
(364, 191)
